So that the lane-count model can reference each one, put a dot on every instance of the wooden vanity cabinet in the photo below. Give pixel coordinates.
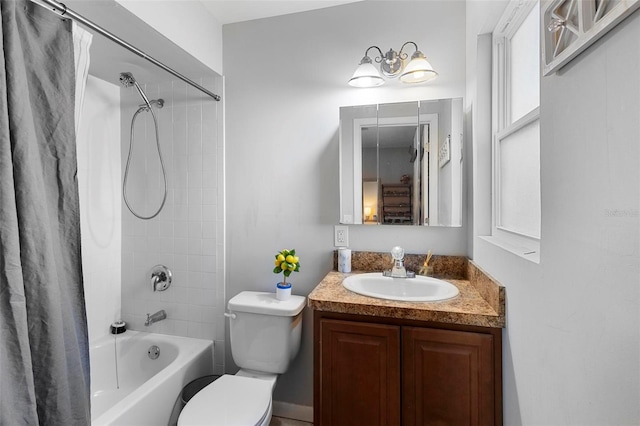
(447, 377)
(360, 374)
(385, 371)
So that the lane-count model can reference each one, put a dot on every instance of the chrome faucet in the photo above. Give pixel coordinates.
(398, 270)
(158, 316)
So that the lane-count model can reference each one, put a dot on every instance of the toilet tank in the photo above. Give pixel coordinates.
(265, 332)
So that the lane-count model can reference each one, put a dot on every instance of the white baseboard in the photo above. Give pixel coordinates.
(303, 413)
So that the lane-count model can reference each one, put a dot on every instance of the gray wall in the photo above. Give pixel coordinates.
(572, 343)
(394, 162)
(285, 79)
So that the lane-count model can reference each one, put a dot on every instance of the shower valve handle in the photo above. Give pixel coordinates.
(160, 278)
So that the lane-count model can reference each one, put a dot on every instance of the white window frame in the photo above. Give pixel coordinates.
(515, 13)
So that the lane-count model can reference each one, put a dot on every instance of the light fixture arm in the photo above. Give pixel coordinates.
(415, 46)
(366, 54)
(391, 56)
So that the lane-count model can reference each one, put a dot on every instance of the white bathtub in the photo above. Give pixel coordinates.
(148, 388)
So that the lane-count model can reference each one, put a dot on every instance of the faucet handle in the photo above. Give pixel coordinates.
(160, 278)
(397, 253)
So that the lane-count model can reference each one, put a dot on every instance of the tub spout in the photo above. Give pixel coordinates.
(158, 316)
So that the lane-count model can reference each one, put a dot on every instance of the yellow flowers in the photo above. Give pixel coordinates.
(286, 262)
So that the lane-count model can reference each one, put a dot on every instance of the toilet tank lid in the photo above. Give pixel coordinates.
(258, 302)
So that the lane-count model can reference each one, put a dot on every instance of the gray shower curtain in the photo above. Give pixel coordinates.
(44, 357)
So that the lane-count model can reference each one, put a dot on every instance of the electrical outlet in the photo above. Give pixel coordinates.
(341, 236)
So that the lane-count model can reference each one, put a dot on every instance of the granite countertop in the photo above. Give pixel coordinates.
(480, 302)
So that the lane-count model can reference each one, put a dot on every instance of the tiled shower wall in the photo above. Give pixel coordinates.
(187, 235)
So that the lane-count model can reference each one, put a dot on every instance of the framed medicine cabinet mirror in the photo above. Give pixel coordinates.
(401, 163)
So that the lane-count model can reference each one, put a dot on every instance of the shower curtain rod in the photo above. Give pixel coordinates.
(63, 11)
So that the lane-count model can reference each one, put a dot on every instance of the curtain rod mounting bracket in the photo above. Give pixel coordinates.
(64, 9)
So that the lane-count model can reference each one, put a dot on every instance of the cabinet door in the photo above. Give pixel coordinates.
(359, 374)
(447, 377)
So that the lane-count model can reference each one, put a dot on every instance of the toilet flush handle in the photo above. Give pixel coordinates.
(230, 315)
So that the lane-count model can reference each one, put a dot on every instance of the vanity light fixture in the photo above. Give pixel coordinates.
(392, 65)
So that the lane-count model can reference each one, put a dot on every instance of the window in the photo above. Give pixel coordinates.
(516, 127)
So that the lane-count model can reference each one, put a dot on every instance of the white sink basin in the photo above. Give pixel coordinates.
(418, 289)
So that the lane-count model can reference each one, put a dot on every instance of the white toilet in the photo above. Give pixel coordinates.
(265, 337)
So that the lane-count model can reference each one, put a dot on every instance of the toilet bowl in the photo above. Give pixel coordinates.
(265, 337)
(230, 400)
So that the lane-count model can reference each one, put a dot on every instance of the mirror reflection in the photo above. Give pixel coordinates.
(401, 163)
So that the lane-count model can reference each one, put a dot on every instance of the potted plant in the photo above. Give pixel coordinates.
(286, 262)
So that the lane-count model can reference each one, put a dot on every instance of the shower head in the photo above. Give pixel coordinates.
(127, 80)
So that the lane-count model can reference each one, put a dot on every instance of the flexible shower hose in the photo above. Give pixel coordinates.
(126, 170)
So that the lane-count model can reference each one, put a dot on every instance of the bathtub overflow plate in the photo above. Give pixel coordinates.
(153, 352)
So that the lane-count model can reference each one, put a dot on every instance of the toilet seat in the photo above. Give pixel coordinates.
(229, 401)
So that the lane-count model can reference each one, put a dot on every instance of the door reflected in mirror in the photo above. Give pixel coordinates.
(401, 163)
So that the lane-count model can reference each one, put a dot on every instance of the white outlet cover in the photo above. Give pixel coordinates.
(341, 236)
